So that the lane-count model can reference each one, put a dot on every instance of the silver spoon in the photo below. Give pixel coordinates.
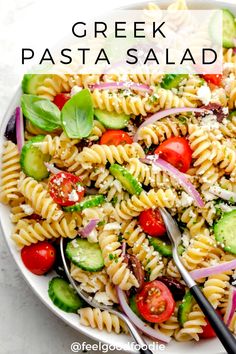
(224, 335)
(93, 303)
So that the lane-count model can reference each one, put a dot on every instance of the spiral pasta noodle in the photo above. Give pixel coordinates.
(160, 131)
(27, 232)
(132, 207)
(136, 238)
(10, 173)
(149, 175)
(117, 269)
(99, 319)
(200, 246)
(101, 154)
(91, 282)
(41, 202)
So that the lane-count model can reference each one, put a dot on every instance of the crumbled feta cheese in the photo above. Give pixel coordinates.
(192, 214)
(75, 90)
(213, 262)
(27, 209)
(74, 244)
(102, 298)
(185, 239)
(209, 122)
(93, 236)
(225, 110)
(204, 94)
(225, 207)
(186, 200)
(112, 226)
(73, 196)
(79, 188)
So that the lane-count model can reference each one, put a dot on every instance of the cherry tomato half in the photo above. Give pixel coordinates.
(66, 189)
(39, 258)
(214, 79)
(61, 99)
(155, 302)
(151, 222)
(208, 331)
(177, 152)
(115, 137)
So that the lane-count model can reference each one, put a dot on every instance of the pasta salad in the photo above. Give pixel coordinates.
(92, 161)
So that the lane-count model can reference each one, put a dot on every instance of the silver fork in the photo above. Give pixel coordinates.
(93, 303)
(224, 335)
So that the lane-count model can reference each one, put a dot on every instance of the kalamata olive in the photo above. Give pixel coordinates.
(10, 132)
(177, 289)
(136, 267)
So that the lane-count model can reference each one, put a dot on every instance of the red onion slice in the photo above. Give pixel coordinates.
(150, 332)
(223, 193)
(51, 168)
(216, 269)
(121, 85)
(19, 128)
(179, 176)
(162, 114)
(231, 307)
(86, 231)
(123, 247)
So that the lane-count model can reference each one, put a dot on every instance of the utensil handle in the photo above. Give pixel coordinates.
(223, 333)
(145, 351)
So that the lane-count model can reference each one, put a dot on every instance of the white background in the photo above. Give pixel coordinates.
(26, 325)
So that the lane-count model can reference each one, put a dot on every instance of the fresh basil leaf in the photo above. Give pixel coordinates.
(77, 115)
(41, 112)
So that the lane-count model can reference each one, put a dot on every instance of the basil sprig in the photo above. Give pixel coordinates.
(41, 112)
(77, 115)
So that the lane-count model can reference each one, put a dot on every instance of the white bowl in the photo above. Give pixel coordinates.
(39, 284)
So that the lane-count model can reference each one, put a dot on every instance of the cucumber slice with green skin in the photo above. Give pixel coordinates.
(171, 81)
(128, 182)
(31, 82)
(185, 308)
(64, 296)
(229, 29)
(225, 231)
(32, 159)
(112, 120)
(85, 255)
(163, 247)
(133, 306)
(88, 202)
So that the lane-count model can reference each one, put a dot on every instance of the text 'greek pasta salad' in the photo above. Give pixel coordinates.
(92, 161)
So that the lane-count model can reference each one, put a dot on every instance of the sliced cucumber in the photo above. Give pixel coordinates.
(63, 295)
(86, 255)
(134, 307)
(185, 307)
(128, 182)
(163, 246)
(31, 82)
(112, 120)
(225, 231)
(229, 29)
(88, 202)
(32, 159)
(171, 81)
